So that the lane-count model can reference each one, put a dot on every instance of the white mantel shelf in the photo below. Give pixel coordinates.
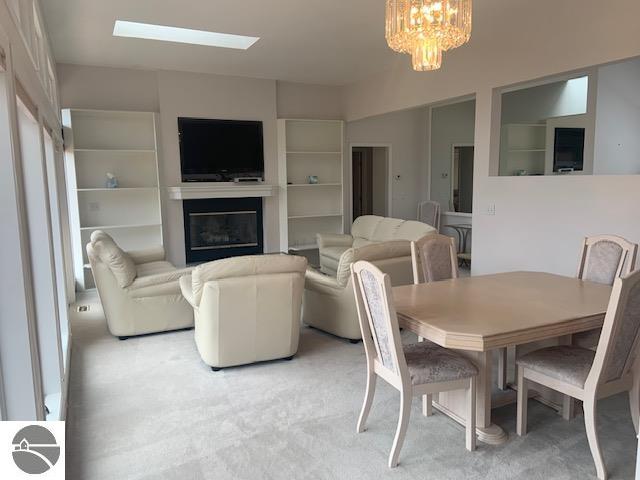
(192, 191)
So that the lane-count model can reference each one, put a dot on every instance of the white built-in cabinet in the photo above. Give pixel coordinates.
(310, 148)
(124, 144)
(523, 149)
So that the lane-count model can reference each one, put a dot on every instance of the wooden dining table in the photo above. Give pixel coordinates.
(477, 315)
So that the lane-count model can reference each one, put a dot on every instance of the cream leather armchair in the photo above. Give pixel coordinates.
(247, 309)
(368, 230)
(329, 301)
(139, 290)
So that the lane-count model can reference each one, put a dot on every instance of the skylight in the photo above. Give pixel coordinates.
(164, 33)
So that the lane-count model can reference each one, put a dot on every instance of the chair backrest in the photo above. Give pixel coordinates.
(434, 258)
(378, 320)
(429, 213)
(245, 266)
(103, 249)
(618, 345)
(605, 258)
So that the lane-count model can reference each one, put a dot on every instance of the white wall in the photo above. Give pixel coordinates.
(450, 124)
(406, 133)
(539, 221)
(617, 146)
(299, 100)
(103, 88)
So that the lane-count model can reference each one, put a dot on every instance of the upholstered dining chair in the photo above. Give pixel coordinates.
(429, 213)
(434, 258)
(590, 376)
(417, 369)
(603, 259)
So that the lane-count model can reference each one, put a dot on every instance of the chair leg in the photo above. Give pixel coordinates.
(471, 416)
(568, 407)
(427, 405)
(368, 400)
(502, 369)
(523, 397)
(634, 404)
(403, 422)
(589, 406)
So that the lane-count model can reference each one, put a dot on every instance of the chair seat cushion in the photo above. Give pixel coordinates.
(430, 363)
(153, 268)
(565, 363)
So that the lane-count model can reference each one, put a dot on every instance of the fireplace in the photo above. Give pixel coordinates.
(222, 227)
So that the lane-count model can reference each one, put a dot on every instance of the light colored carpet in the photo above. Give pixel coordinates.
(148, 408)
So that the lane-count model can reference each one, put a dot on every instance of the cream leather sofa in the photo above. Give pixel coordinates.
(329, 302)
(247, 309)
(139, 291)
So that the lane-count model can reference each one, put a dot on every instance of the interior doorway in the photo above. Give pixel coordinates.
(370, 181)
(462, 178)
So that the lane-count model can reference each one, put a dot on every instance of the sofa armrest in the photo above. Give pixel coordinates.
(158, 279)
(152, 254)
(319, 282)
(334, 240)
(187, 290)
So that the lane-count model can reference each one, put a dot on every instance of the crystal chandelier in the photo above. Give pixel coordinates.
(426, 28)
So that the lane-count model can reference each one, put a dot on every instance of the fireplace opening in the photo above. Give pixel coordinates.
(221, 228)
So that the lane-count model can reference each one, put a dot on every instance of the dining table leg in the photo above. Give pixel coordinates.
(453, 403)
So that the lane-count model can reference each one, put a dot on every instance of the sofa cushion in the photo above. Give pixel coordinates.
(244, 266)
(374, 229)
(386, 229)
(121, 265)
(412, 230)
(364, 226)
(153, 268)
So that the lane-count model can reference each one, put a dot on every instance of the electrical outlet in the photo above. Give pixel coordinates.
(491, 209)
(94, 207)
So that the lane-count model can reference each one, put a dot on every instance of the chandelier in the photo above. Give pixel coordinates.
(426, 28)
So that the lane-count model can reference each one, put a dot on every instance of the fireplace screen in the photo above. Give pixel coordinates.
(214, 230)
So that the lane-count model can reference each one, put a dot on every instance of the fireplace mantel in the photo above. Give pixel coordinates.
(192, 191)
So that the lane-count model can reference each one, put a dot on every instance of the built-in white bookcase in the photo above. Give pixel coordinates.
(309, 148)
(522, 148)
(98, 142)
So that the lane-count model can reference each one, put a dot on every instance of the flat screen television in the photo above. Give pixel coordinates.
(568, 150)
(220, 150)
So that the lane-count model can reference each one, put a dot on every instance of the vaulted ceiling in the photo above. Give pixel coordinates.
(331, 42)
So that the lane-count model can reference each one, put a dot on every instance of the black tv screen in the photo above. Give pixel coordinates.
(220, 150)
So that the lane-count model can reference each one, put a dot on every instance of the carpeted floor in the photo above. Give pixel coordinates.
(148, 408)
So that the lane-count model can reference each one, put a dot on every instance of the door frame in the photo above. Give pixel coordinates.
(348, 187)
(453, 152)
